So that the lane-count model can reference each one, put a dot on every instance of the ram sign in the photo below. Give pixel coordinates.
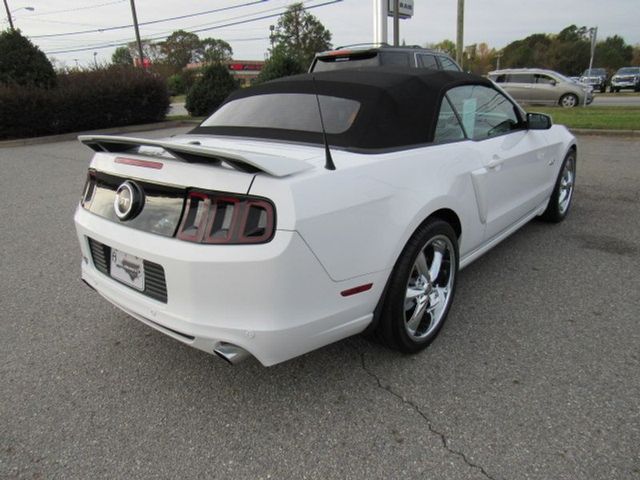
(405, 10)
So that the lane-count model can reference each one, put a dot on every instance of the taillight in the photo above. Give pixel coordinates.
(222, 218)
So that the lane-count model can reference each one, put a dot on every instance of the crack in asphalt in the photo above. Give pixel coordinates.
(443, 438)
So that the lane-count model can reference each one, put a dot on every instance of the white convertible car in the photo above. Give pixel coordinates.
(316, 207)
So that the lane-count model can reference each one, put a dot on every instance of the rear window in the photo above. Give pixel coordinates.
(339, 62)
(287, 111)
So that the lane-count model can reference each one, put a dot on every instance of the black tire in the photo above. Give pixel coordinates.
(392, 328)
(569, 100)
(555, 211)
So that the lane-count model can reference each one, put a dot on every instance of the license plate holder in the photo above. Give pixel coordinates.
(127, 269)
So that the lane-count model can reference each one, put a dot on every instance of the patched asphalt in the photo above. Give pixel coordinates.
(536, 374)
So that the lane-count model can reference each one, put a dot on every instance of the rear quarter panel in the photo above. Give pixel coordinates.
(358, 218)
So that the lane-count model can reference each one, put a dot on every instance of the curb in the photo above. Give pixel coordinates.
(63, 137)
(605, 133)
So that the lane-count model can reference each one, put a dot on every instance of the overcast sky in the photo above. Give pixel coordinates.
(496, 22)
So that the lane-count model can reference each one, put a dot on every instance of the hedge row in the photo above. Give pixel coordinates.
(111, 97)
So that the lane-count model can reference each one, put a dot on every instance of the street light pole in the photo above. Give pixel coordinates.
(593, 33)
(135, 24)
(6, 6)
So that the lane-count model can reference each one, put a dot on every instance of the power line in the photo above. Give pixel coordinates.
(120, 27)
(118, 44)
(75, 9)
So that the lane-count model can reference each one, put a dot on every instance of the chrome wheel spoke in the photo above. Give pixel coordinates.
(436, 264)
(417, 316)
(421, 264)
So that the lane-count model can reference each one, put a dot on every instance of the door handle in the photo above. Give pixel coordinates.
(495, 162)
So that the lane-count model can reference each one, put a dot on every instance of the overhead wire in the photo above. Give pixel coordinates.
(151, 22)
(191, 30)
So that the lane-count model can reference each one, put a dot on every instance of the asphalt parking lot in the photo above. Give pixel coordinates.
(536, 374)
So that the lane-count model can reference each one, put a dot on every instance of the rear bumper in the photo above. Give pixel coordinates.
(274, 300)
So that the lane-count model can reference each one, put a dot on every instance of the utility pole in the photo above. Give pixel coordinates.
(135, 24)
(396, 23)
(6, 6)
(460, 36)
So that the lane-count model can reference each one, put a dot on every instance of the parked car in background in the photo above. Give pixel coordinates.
(544, 87)
(252, 236)
(626, 77)
(596, 78)
(382, 55)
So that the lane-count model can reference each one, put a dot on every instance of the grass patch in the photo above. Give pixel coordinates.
(596, 117)
(179, 99)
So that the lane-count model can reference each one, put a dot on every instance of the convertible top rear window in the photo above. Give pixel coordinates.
(288, 111)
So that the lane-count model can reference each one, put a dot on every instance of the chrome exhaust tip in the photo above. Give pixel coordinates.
(231, 353)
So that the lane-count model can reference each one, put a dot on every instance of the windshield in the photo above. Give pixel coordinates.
(594, 71)
(287, 111)
(629, 71)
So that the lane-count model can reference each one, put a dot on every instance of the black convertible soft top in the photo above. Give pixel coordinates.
(398, 106)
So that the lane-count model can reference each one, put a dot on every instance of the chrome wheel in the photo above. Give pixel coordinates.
(566, 185)
(569, 101)
(429, 288)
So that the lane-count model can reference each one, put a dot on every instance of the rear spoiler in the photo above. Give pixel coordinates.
(250, 162)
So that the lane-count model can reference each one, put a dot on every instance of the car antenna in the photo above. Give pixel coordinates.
(328, 164)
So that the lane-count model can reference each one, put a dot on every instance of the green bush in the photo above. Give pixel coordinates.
(115, 96)
(22, 63)
(175, 84)
(210, 90)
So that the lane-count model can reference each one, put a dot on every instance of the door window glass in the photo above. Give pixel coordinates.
(521, 78)
(448, 128)
(427, 61)
(485, 112)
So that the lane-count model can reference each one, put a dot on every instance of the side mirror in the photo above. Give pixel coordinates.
(553, 83)
(538, 121)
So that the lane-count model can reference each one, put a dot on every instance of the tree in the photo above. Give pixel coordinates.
(213, 50)
(445, 46)
(481, 58)
(210, 90)
(300, 35)
(280, 65)
(635, 59)
(528, 52)
(22, 63)
(150, 50)
(613, 53)
(122, 56)
(180, 49)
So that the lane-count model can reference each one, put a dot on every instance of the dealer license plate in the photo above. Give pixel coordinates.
(127, 269)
